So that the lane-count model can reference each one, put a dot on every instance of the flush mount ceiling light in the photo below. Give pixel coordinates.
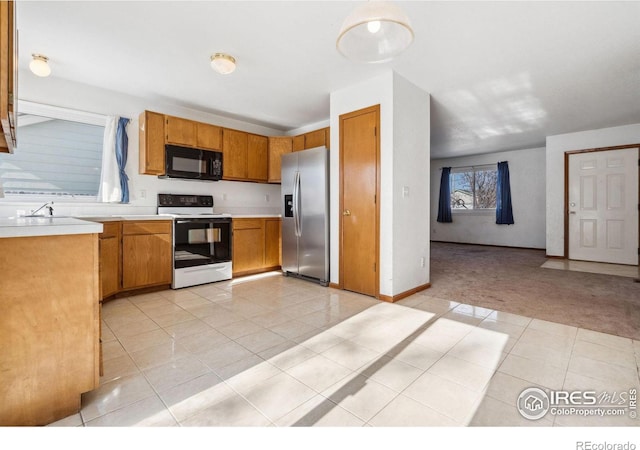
(39, 65)
(375, 32)
(223, 63)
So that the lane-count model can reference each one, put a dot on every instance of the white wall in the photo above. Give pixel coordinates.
(556, 147)
(375, 91)
(411, 161)
(527, 179)
(229, 196)
(404, 153)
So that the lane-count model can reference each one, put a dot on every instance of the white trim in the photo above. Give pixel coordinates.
(57, 112)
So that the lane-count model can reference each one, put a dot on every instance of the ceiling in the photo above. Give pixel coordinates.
(502, 75)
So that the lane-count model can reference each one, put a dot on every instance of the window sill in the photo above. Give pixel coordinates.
(474, 212)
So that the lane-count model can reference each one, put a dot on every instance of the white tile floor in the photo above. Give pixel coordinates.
(276, 351)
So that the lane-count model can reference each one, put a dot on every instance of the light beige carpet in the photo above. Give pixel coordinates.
(512, 280)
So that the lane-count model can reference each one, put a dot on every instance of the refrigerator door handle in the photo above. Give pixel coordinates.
(296, 204)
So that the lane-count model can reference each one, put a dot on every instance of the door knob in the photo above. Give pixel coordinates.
(346, 212)
(572, 212)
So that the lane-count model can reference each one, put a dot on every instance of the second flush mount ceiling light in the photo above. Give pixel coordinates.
(39, 65)
(375, 32)
(223, 63)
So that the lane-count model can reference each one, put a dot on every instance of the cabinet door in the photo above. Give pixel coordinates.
(146, 260)
(257, 158)
(209, 137)
(278, 146)
(234, 154)
(109, 260)
(327, 136)
(298, 143)
(273, 242)
(151, 143)
(248, 245)
(314, 139)
(8, 75)
(181, 131)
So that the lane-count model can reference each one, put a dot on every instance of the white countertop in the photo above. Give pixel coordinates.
(46, 226)
(52, 226)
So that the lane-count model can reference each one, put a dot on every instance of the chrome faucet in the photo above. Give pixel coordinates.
(46, 205)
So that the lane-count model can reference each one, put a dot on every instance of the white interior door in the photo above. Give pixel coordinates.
(603, 206)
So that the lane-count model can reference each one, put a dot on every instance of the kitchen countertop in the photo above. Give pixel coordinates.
(46, 226)
(59, 225)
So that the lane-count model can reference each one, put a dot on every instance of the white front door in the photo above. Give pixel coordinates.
(603, 206)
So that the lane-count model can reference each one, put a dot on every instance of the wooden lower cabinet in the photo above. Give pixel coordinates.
(146, 254)
(49, 326)
(256, 245)
(110, 259)
(135, 255)
(272, 242)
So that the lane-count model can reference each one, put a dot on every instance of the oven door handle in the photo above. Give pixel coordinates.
(210, 220)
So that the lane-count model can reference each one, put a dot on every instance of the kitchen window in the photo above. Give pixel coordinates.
(473, 188)
(59, 154)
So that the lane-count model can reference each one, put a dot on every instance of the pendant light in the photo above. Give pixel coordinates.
(375, 32)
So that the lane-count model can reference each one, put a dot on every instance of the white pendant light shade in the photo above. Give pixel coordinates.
(39, 65)
(223, 63)
(375, 32)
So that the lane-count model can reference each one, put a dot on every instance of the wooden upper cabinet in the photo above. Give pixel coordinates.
(298, 143)
(208, 137)
(278, 146)
(234, 154)
(327, 136)
(314, 139)
(180, 131)
(151, 143)
(8, 76)
(257, 158)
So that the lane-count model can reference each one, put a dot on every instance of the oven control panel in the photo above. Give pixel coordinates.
(185, 200)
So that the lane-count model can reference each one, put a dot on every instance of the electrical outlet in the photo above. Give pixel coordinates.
(405, 192)
(143, 193)
(422, 262)
(266, 197)
(224, 197)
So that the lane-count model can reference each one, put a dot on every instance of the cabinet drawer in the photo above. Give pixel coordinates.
(110, 229)
(149, 227)
(247, 224)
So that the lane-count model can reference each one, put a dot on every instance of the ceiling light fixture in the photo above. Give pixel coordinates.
(223, 63)
(39, 65)
(375, 32)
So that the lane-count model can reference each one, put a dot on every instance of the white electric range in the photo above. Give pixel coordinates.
(202, 239)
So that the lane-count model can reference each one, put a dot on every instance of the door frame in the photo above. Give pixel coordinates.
(342, 118)
(566, 186)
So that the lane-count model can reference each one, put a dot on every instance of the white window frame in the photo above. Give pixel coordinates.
(474, 211)
(55, 112)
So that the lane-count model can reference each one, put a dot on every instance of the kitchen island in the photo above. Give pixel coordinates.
(50, 317)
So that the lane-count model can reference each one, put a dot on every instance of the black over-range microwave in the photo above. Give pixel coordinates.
(192, 163)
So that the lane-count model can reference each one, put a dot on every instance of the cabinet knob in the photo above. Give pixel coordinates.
(346, 212)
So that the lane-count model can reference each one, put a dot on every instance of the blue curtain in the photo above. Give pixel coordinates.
(444, 206)
(504, 213)
(122, 144)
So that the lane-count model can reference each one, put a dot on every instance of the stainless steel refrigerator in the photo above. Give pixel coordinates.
(305, 214)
